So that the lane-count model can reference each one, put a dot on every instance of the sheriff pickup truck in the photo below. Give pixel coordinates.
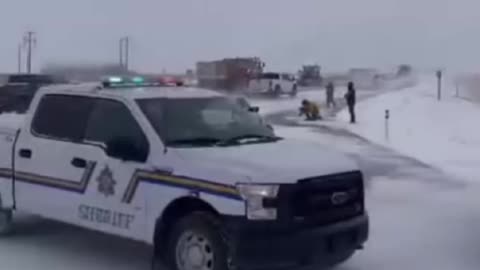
(186, 170)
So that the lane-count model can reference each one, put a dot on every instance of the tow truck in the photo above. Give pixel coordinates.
(186, 170)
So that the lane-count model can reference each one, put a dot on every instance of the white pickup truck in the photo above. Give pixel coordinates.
(274, 84)
(186, 170)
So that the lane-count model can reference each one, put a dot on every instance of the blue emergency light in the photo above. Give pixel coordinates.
(119, 82)
(115, 79)
(138, 79)
(129, 82)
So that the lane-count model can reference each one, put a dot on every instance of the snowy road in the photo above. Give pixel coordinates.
(45, 245)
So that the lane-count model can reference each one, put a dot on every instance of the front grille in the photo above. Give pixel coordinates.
(327, 199)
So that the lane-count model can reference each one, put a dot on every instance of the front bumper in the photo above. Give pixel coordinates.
(270, 244)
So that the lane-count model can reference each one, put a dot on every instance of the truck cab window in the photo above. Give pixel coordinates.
(62, 117)
(112, 120)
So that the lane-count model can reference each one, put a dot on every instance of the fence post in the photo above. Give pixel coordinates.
(387, 132)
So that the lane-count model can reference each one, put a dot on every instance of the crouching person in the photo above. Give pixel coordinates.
(310, 110)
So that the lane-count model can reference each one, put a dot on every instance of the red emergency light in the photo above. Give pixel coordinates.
(170, 81)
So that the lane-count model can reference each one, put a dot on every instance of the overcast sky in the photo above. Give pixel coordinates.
(173, 34)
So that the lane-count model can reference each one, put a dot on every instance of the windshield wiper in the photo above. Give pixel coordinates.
(198, 141)
(249, 138)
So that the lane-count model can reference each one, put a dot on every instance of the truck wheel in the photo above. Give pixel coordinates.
(196, 242)
(5, 222)
(294, 91)
(277, 91)
(340, 258)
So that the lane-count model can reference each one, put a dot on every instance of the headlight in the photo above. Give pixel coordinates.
(253, 194)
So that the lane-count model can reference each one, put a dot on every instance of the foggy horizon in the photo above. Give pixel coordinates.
(173, 35)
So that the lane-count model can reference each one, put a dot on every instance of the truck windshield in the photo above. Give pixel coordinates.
(203, 121)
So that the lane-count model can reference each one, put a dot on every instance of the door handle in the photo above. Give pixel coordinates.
(79, 162)
(25, 153)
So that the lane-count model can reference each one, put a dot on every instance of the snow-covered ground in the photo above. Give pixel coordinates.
(442, 133)
(420, 218)
(467, 86)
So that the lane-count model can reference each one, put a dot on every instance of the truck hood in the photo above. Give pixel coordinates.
(284, 161)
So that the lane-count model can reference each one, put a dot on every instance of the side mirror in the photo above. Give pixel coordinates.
(126, 150)
(254, 109)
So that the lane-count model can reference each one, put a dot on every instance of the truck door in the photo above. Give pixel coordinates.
(112, 203)
(49, 180)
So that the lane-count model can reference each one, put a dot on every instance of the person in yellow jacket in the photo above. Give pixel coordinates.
(311, 110)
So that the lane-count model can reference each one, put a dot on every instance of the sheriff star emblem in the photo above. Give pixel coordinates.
(106, 183)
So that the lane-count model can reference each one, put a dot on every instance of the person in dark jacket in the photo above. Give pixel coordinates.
(350, 97)
(330, 94)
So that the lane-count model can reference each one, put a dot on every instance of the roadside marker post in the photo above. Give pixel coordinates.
(387, 132)
(439, 84)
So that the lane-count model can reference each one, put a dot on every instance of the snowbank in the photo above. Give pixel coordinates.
(468, 87)
(444, 134)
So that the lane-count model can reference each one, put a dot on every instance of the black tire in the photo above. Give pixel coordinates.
(339, 259)
(203, 225)
(6, 222)
(294, 91)
(277, 91)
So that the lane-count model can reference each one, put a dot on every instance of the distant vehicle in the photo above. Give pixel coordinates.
(17, 90)
(231, 74)
(310, 75)
(184, 170)
(364, 78)
(274, 84)
(171, 80)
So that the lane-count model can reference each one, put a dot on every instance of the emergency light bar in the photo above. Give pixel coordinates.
(136, 81)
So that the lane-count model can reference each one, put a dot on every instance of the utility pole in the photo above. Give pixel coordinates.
(120, 51)
(127, 45)
(30, 41)
(19, 58)
(124, 52)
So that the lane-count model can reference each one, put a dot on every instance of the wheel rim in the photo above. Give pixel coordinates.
(194, 252)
